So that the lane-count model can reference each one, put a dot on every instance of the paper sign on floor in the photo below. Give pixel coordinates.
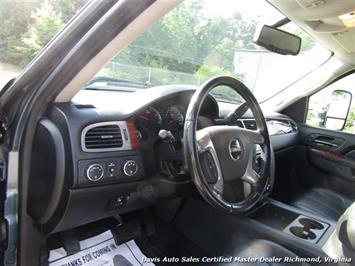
(100, 250)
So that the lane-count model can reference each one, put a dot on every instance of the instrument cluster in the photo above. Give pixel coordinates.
(155, 118)
(169, 114)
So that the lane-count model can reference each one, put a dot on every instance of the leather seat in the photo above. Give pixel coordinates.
(264, 249)
(323, 202)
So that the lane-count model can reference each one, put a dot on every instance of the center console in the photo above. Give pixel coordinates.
(307, 228)
(294, 222)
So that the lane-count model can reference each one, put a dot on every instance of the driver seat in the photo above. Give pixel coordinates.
(262, 249)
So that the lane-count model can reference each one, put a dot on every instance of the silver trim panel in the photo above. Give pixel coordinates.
(126, 141)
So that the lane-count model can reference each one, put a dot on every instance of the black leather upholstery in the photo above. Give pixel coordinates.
(341, 243)
(266, 249)
(323, 202)
(346, 229)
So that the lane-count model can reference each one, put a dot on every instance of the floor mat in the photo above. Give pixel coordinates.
(100, 250)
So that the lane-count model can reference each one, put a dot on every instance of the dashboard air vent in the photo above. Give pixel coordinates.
(239, 123)
(106, 136)
(250, 124)
(102, 137)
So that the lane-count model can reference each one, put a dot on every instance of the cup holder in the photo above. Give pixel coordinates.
(311, 224)
(307, 228)
(302, 232)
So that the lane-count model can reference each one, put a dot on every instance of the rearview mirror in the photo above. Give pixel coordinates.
(338, 110)
(278, 41)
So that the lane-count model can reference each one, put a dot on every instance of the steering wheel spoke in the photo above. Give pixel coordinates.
(209, 161)
(251, 176)
(255, 136)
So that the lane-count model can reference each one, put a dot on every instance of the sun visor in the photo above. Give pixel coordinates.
(346, 39)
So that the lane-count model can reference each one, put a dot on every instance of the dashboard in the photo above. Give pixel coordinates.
(105, 153)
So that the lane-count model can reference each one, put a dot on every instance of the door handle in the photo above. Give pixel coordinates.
(321, 142)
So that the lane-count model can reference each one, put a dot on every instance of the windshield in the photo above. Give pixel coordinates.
(201, 39)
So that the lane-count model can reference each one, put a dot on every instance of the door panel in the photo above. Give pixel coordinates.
(328, 159)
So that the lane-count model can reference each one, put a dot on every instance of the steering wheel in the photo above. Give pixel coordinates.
(218, 155)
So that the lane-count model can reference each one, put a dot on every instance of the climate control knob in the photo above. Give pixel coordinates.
(130, 168)
(95, 172)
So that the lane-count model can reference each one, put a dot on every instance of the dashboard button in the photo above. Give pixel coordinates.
(118, 202)
(209, 167)
(112, 169)
(130, 168)
(95, 172)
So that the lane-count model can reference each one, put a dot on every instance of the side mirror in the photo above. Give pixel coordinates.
(278, 41)
(338, 110)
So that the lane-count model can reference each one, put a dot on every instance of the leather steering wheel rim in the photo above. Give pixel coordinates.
(216, 142)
